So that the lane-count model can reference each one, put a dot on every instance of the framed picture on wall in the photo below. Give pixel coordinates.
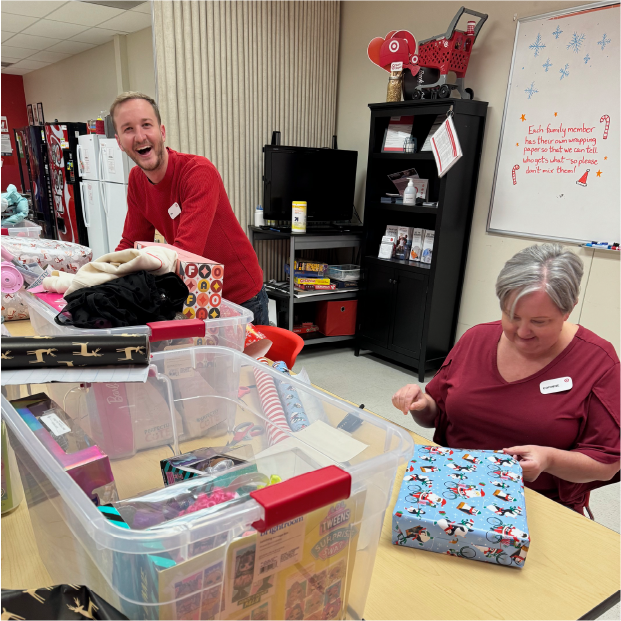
(40, 113)
(35, 115)
(30, 115)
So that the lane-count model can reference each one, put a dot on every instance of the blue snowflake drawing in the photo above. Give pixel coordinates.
(604, 42)
(564, 71)
(586, 59)
(537, 46)
(557, 33)
(531, 90)
(547, 65)
(576, 41)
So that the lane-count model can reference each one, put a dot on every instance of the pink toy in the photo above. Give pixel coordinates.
(203, 501)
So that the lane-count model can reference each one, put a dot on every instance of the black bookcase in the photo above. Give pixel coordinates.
(408, 311)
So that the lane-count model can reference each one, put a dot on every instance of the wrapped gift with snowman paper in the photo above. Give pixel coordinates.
(463, 503)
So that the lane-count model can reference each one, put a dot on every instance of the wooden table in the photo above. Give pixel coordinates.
(571, 572)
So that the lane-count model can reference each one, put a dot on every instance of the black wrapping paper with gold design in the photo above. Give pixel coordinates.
(32, 352)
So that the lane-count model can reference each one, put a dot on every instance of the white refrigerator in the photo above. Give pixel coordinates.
(104, 170)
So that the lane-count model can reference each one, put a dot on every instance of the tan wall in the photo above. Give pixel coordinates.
(140, 63)
(81, 86)
(360, 82)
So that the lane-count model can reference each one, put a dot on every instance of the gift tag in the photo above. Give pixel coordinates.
(559, 384)
(174, 211)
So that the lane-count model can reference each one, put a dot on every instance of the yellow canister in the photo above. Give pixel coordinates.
(298, 217)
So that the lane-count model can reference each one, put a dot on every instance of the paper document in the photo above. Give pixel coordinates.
(446, 147)
(399, 129)
(92, 375)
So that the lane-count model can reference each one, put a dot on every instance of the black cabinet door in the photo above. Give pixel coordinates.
(377, 304)
(409, 314)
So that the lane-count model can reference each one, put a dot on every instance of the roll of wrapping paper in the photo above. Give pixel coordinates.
(33, 352)
(272, 408)
(292, 405)
(290, 399)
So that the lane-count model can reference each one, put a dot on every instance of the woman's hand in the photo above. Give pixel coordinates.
(409, 398)
(533, 459)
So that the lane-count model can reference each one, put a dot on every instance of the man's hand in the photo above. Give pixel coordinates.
(533, 459)
(410, 398)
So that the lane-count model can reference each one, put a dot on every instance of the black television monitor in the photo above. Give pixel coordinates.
(324, 178)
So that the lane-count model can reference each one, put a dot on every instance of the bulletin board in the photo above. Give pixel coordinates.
(557, 170)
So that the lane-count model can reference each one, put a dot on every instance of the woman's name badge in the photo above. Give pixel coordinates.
(174, 211)
(556, 385)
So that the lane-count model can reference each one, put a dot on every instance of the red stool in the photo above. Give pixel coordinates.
(285, 345)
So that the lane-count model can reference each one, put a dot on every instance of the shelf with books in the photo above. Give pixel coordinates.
(419, 302)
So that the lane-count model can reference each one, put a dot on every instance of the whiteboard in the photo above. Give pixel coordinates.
(557, 171)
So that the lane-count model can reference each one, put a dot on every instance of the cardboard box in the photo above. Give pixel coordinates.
(204, 279)
(463, 503)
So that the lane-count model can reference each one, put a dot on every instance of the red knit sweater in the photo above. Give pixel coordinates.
(206, 225)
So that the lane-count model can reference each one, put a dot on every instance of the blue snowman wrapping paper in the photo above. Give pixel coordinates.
(463, 503)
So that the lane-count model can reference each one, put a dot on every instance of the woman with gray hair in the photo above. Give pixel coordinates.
(543, 389)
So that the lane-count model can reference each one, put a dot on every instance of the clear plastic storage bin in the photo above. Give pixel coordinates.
(229, 330)
(344, 272)
(301, 548)
(23, 229)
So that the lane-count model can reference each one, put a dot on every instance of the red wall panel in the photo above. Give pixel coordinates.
(14, 108)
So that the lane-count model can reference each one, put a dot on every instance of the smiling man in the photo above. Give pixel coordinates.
(183, 197)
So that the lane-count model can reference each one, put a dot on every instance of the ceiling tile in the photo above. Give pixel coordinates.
(30, 64)
(16, 71)
(145, 7)
(32, 9)
(49, 57)
(84, 14)
(96, 36)
(6, 59)
(6, 36)
(16, 23)
(57, 30)
(70, 47)
(16, 52)
(130, 21)
(32, 42)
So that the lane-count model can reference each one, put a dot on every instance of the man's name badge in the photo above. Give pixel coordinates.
(174, 211)
(556, 385)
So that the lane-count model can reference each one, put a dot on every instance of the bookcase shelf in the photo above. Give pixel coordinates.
(408, 311)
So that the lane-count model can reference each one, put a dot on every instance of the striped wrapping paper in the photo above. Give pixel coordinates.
(272, 408)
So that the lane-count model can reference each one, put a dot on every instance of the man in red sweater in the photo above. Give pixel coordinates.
(183, 197)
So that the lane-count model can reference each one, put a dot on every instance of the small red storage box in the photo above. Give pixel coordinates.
(337, 318)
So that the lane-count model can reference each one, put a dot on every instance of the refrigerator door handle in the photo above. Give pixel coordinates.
(102, 173)
(79, 152)
(102, 194)
(84, 208)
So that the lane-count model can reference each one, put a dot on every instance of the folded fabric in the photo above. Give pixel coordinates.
(156, 260)
(58, 282)
(131, 300)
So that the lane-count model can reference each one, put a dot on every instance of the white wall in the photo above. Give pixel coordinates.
(360, 82)
(81, 86)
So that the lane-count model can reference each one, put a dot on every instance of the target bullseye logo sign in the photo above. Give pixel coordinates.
(393, 46)
(414, 59)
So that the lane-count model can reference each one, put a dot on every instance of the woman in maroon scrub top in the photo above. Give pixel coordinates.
(543, 389)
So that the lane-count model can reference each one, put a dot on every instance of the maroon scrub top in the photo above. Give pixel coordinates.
(478, 409)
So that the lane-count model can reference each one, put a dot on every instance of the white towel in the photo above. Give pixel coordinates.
(153, 259)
